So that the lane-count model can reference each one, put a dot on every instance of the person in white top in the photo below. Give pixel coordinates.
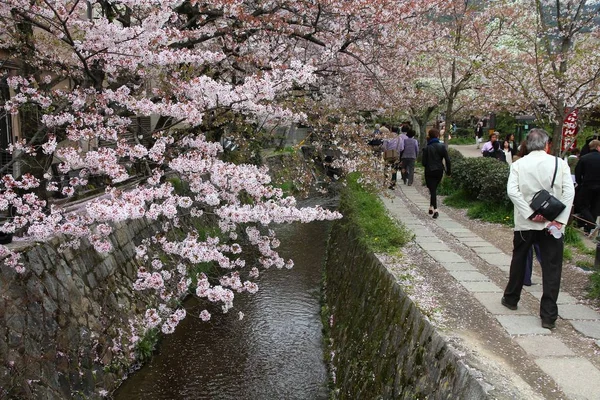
(527, 176)
(507, 151)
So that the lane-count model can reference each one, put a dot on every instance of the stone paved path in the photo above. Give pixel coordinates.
(576, 375)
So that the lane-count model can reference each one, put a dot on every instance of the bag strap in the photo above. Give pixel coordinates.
(555, 168)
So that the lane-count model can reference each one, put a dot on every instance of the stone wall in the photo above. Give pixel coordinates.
(380, 345)
(58, 319)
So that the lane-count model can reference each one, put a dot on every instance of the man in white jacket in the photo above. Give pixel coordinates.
(527, 176)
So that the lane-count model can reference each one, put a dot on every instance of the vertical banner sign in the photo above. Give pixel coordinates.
(569, 131)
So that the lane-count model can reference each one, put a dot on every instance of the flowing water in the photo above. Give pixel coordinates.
(274, 352)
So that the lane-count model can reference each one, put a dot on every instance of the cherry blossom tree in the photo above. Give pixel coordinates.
(81, 71)
(547, 61)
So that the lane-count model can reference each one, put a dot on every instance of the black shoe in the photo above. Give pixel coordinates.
(391, 187)
(436, 214)
(548, 324)
(430, 212)
(526, 283)
(505, 304)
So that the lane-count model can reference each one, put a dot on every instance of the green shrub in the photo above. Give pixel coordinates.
(362, 207)
(447, 186)
(465, 133)
(595, 285)
(461, 140)
(482, 178)
(455, 155)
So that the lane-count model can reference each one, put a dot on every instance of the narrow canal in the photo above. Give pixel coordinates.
(274, 352)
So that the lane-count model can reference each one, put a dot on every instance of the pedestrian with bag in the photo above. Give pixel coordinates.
(435, 155)
(541, 190)
(392, 148)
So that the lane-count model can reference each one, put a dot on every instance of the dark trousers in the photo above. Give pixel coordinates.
(432, 180)
(408, 165)
(394, 166)
(551, 263)
(588, 201)
(529, 264)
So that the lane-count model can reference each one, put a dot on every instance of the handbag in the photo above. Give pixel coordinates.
(390, 155)
(545, 204)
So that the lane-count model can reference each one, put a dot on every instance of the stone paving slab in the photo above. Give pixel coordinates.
(563, 298)
(459, 230)
(522, 325)
(444, 256)
(544, 346)
(433, 245)
(576, 376)
(504, 268)
(422, 232)
(459, 266)
(462, 235)
(448, 223)
(474, 243)
(577, 311)
(488, 250)
(491, 301)
(496, 259)
(587, 328)
(466, 276)
(536, 288)
(481, 287)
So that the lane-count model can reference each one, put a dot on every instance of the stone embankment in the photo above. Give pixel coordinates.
(381, 345)
(58, 320)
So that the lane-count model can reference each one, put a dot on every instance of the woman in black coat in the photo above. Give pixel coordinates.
(434, 155)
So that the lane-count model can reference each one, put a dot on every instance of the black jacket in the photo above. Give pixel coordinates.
(587, 170)
(433, 154)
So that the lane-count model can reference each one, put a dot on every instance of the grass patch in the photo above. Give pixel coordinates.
(446, 187)
(573, 238)
(287, 149)
(362, 207)
(595, 285)
(496, 213)
(567, 254)
(585, 265)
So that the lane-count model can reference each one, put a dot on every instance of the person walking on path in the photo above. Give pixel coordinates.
(478, 134)
(587, 176)
(434, 155)
(409, 156)
(527, 176)
(395, 143)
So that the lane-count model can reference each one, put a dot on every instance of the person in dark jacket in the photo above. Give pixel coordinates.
(587, 176)
(434, 155)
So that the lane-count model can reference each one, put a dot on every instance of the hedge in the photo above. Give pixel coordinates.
(481, 178)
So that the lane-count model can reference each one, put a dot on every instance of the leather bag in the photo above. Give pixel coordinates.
(390, 155)
(545, 204)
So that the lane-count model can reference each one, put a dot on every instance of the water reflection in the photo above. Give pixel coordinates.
(275, 352)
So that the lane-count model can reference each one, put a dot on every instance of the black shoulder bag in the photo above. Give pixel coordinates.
(546, 205)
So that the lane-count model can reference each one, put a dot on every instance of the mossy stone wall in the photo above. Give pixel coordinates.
(58, 319)
(380, 345)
